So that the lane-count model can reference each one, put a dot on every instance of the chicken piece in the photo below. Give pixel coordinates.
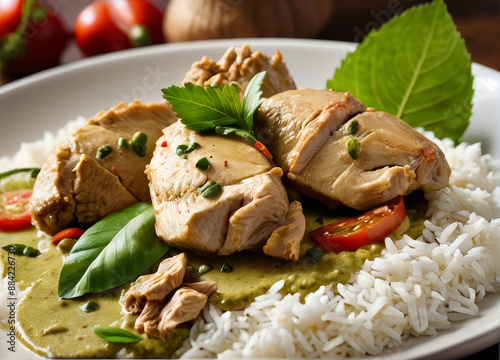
(306, 131)
(199, 283)
(251, 205)
(97, 191)
(75, 185)
(171, 296)
(185, 305)
(285, 240)
(238, 66)
(157, 286)
(149, 317)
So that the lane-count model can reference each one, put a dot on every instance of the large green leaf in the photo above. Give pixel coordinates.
(415, 67)
(112, 252)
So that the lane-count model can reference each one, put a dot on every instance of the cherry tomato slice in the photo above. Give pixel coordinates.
(16, 222)
(14, 212)
(372, 226)
(71, 233)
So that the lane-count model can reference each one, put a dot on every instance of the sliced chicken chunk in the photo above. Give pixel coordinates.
(251, 204)
(238, 66)
(77, 185)
(307, 132)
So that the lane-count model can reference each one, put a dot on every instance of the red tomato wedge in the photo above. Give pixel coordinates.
(372, 226)
(14, 213)
(71, 233)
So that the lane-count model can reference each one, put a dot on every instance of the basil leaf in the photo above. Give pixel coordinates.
(112, 252)
(416, 66)
(116, 335)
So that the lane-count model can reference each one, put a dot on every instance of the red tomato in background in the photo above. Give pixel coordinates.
(110, 25)
(372, 226)
(41, 43)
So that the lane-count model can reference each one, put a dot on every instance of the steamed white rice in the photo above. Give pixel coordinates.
(416, 287)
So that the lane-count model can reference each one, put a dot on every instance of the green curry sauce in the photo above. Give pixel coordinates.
(55, 327)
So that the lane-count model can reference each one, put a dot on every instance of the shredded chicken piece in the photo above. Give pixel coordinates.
(185, 305)
(170, 297)
(199, 283)
(156, 286)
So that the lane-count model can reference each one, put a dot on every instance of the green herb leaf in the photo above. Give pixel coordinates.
(203, 109)
(245, 134)
(252, 98)
(116, 335)
(113, 251)
(415, 67)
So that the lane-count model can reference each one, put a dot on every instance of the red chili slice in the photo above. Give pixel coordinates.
(70, 233)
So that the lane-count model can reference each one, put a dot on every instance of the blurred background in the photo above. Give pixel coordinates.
(62, 31)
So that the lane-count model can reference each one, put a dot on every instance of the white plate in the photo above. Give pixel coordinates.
(49, 99)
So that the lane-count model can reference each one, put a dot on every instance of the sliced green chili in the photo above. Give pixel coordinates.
(104, 151)
(123, 143)
(184, 149)
(314, 255)
(353, 148)
(210, 189)
(203, 163)
(353, 127)
(205, 268)
(319, 220)
(138, 143)
(226, 268)
(23, 250)
(89, 307)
